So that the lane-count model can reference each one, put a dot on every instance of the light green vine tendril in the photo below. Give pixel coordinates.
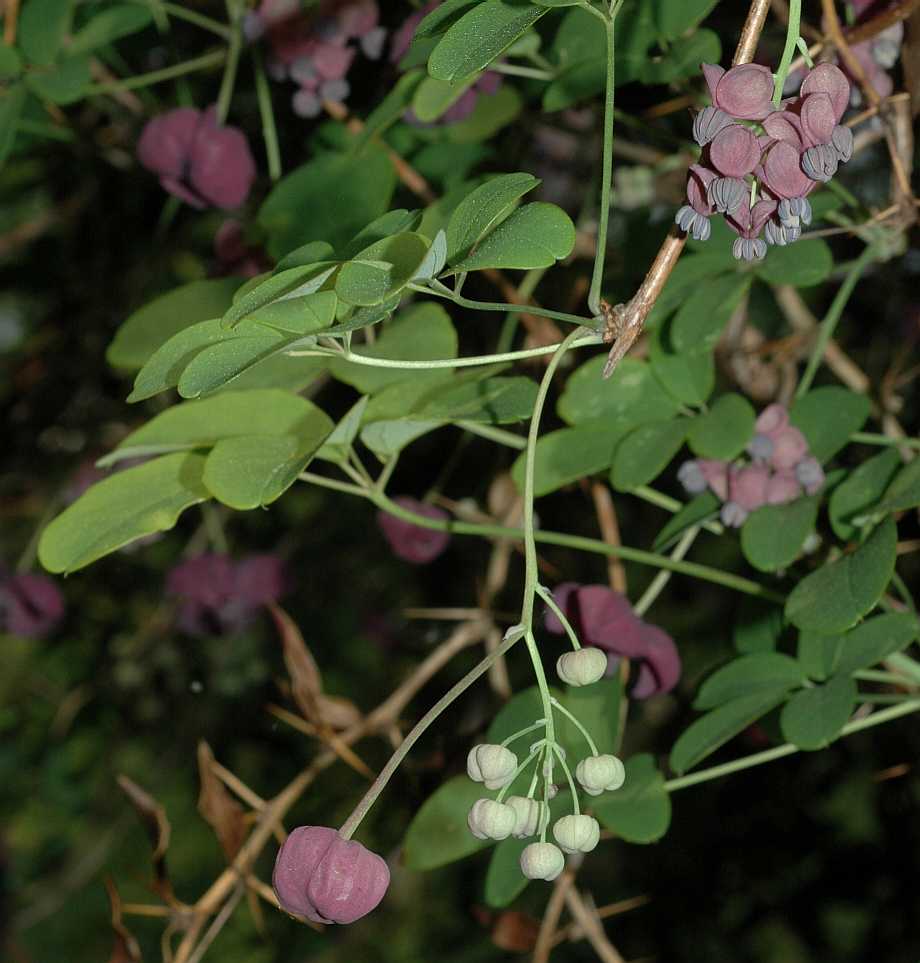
(535, 751)
(793, 35)
(587, 735)
(522, 732)
(554, 608)
(568, 775)
(234, 48)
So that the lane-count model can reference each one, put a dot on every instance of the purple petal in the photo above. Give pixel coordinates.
(331, 61)
(760, 214)
(789, 448)
(748, 486)
(222, 168)
(785, 126)
(772, 419)
(713, 74)
(818, 120)
(31, 605)
(411, 542)
(562, 596)
(359, 18)
(661, 666)
(260, 579)
(716, 475)
(698, 180)
(294, 867)
(348, 882)
(746, 92)
(831, 80)
(735, 151)
(207, 579)
(606, 619)
(783, 487)
(782, 172)
(166, 141)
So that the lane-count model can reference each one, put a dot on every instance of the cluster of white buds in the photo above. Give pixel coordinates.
(492, 765)
(577, 833)
(489, 819)
(582, 667)
(542, 861)
(529, 816)
(603, 773)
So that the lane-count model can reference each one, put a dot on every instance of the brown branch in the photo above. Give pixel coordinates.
(10, 21)
(574, 932)
(546, 937)
(610, 531)
(750, 32)
(586, 916)
(887, 18)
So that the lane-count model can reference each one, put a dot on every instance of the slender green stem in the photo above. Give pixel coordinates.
(568, 775)
(230, 67)
(793, 33)
(360, 811)
(490, 432)
(876, 675)
(267, 113)
(904, 663)
(603, 221)
(554, 608)
(769, 755)
(831, 319)
(383, 479)
(536, 749)
(204, 62)
(515, 70)
(660, 581)
(671, 505)
(436, 363)
(882, 698)
(591, 744)
(522, 732)
(868, 438)
(442, 291)
(542, 685)
(40, 129)
(182, 13)
(338, 486)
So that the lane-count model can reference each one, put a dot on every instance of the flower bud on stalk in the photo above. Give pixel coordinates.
(598, 774)
(491, 764)
(542, 861)
(489, 819)
(529, 815)
(577, 834)
(582, 667)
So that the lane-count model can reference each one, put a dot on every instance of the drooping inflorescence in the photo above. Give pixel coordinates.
(781, 468)
(760, 162)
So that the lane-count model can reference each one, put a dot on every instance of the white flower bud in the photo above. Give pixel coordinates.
(489, 819)
(491, 764)
(599, 774)
(542, 861)
(577, 834)
(582, 667)
(552, 790)
(528, 816)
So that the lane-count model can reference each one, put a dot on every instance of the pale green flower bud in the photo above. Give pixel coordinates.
(582, 667)
(599, 774)
(542, 861)
(491, 764)
(489, 819)
(529, 816)
(577, 834)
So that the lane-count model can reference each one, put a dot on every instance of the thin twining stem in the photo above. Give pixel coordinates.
(591, 744)
(547, 597)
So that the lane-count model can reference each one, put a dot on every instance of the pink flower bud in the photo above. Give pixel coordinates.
(413, 543)
(782, 487)
(326, 878)
(772, 419)
(747, 487)
(716, 475)
(789, 448)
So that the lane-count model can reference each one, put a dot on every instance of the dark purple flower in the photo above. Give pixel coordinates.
(735, 151)
(747, 486)
(782, 487)
(707, 123)
(222, 597)
(412, 543)
(328, 879)
(234, 254)
(693, 217)
(198, 160)
(748, 223)
(30, 605)
(402, 38)
(604, 619)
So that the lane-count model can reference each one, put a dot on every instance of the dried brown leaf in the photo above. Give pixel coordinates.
(126, 948)
(154, 819)
(219, 809)
(515, 932)
(306, 683)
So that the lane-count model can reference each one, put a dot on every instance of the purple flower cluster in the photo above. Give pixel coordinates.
(31, 606)
(879, 54)
(328, 879)
(783, 158)
(200, 161)
(604, 619)
(316, 50)
(412, 543)
(486, 84)
(781, 469)
(220, 596)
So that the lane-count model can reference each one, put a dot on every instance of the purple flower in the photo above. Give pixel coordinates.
(31, 606)
(782, 172)
(748, 223)
(326, 878)
(747, 487)
(222, 597)
(745, 92)
(782, 487)
(735, 151)
(604, 619)
(412, 543)
(198, 160)
(234, 255)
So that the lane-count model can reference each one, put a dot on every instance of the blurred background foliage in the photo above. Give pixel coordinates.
(813, 858)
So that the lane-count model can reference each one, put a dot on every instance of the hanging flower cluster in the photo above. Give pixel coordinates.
(497, 767)
(750, 148)
(604, 619)
(316, 49)
(781, 468)
(221, 596)
(204, 163)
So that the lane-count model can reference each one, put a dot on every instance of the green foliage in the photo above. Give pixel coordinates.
(773, 536)
(698, 510)
(828, 417)
(632, 394)
(640, 812)
(866, 645)
(755, 674)
(802, 265)
(835, 596)
(857, 494)
(724, 430)
(439, 833)
(813, 717)
(645, 451)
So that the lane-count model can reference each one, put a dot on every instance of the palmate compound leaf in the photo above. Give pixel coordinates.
(132, 503)
(534, 236)
(749, 675)
(639, 812)
(864, 646)
(860, 491)
(773, 535)
(439, 833)
(813, 717)
(827, 416)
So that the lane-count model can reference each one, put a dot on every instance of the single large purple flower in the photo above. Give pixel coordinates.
(30, 605)
(221, 596)
(200, 161)
(604, 619)
(412, 543)
(326, 878)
